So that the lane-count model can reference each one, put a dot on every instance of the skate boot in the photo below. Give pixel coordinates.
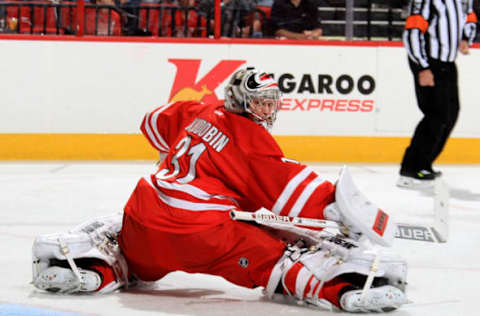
(381, 299)
(422, 179)
(63, 280)
(436, 173)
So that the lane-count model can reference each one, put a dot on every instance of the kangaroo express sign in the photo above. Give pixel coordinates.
(302, 92)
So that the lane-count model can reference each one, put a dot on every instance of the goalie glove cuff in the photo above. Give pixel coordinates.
(332, 213)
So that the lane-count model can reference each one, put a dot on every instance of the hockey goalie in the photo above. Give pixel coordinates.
(218, 158)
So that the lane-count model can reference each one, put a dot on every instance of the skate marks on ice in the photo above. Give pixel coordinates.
(199, 294)
(457, 192)
(40, 198)
(178, 294)
(22, 310)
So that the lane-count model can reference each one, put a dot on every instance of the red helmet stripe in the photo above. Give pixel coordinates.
(265, 77)
(273, 84)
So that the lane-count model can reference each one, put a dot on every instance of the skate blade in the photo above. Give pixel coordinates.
(414, 184)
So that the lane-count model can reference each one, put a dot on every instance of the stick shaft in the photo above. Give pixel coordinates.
(404, 231)
(262, 218)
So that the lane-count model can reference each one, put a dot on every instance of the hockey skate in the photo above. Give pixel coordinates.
(381, 299)
(61, 262)
(422, 179)
(377, 283)
(63, 280)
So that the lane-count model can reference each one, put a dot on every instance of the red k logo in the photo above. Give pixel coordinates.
(186, 86)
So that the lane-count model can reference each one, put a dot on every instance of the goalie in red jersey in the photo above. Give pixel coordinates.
(217, 159)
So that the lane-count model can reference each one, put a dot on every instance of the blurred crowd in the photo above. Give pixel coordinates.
(281, 19)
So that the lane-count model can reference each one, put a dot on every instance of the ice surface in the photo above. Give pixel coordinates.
(46, 197)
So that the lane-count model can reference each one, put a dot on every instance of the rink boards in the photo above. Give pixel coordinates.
(85, 99)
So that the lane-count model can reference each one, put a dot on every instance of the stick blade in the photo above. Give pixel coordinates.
(441, 209)
(418, 233)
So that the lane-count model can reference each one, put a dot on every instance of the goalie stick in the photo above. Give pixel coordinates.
(440, 230)
(404, 231)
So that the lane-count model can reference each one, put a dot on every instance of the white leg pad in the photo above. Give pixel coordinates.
(93, 239)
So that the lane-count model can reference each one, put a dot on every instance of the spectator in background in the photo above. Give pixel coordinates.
(265, 3)
(130, 11)
(106, 21)
(235, 16)
(143, 17)
(295, 19)
(262, 28)
(435, 31)
(188, 23)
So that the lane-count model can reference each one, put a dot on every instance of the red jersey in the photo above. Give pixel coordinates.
(219, 161)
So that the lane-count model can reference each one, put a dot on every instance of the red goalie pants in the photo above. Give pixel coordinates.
(241, 253)
(157, 239)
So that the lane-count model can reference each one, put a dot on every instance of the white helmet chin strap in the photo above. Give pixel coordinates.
(263, 122)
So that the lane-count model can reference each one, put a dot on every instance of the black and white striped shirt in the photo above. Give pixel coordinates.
(435, 28)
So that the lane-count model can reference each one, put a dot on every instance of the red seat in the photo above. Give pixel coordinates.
(194, 29)
(157, 19)
(68, 18)
(149, 18)
(33, 19)
(100, 25)
(262, 15)
(92, 25)
(266, 10)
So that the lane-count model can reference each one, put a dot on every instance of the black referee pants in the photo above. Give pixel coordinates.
(440, 106)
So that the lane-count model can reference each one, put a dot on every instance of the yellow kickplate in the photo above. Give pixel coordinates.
(302, 148)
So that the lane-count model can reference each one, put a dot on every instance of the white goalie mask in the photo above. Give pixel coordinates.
(254, 94)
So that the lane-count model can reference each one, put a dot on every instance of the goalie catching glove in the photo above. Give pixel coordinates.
(359, 216)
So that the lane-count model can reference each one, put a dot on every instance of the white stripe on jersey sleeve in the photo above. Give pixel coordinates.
(187, 188)
(289, 189)
(188, 205)
(303, 198)
(153, 124)
(192, 190)
(193, 206)
(151, 136)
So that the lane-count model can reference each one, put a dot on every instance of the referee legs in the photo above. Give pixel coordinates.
(440, 106)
